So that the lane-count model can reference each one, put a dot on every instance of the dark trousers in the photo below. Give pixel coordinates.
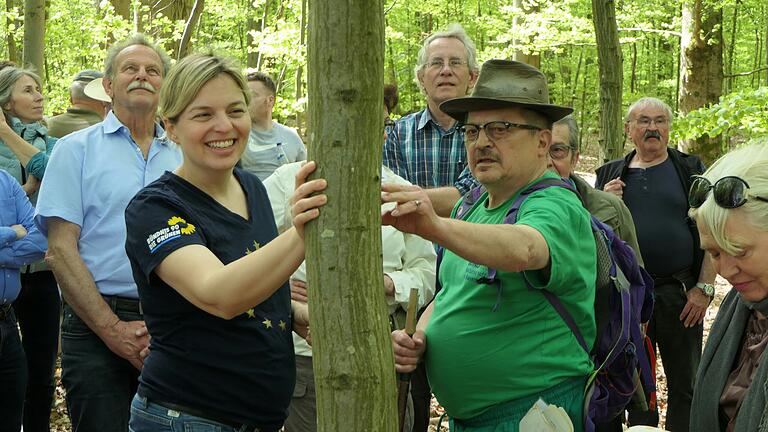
(13, 372)
(680, 350)
(100, 384)
(421, 393)
(38, 309)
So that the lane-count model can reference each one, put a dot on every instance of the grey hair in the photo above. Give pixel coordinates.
(455, 31)
(649, 102)
(573, 131)
(136, 39)
(749, 163)
(8, 78)
(77, 91)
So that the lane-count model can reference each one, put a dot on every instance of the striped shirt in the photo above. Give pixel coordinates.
(420, 151)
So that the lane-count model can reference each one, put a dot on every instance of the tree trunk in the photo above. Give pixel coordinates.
(633, 75)
(300, 114)
(352, 352)
(251, 59)
(701, 68)
(732, 47)
(185, 46)
(11, 27)
(518, 21)
(609, 60)
(34, 35)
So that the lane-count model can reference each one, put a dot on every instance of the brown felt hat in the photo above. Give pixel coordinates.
(503, 84)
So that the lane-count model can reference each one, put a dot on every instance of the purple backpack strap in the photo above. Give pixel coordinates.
(467, 201)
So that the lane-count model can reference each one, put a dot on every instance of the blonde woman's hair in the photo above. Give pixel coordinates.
(749, 163)
(189, 75)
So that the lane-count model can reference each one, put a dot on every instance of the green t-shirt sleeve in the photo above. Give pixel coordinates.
(561, 219)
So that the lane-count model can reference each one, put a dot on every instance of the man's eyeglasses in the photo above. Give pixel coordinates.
(729, 192)
(495, 130)
(645, 122)
(388, 124)
(439, 64)
(559, 151)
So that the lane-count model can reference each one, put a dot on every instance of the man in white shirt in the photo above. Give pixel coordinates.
(270, 144)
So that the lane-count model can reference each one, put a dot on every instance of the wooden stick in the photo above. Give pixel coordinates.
(404, 379)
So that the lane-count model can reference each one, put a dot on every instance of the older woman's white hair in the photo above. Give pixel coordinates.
(750, 163)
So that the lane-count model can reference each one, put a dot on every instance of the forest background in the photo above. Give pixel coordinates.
(707, 58)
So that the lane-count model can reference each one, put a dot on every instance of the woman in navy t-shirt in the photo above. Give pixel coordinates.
(211, 270)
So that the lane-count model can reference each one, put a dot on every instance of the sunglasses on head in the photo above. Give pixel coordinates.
(729, 192)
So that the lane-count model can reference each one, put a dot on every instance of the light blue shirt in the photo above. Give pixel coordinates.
(90, 179)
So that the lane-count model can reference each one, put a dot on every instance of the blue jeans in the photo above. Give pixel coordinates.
(150, 417)
(38, 310)
(13, 373)
(99, 383)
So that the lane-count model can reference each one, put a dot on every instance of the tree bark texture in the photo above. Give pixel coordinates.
(34, 35)
(353, 361)
(701, 68)
(609, 60)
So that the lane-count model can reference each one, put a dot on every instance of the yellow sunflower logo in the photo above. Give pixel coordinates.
(187, 229)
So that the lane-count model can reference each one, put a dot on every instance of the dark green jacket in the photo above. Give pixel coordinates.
(609, 209)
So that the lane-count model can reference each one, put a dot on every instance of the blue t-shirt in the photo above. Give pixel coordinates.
(241, 369)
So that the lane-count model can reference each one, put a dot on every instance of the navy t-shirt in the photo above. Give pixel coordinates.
(659, 207)
(241, 370)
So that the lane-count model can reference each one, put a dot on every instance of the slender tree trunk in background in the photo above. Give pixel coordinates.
(609, 60)
(300, 114)
(517, 22)
(765, 24)
(262, 24)
(11, 27)
(732, 47)
(351, 347)
(253, 56)
(701, 68)
(633, 76)
(34, 35)
(185, 45)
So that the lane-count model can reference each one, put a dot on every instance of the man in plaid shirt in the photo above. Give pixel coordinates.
(425, 147)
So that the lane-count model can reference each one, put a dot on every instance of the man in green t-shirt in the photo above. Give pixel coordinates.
(492, 350)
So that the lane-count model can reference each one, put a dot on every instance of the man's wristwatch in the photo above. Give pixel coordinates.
(706, 288)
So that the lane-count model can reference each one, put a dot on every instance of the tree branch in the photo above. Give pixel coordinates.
(746, 73)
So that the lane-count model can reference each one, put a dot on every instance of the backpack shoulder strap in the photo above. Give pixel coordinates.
(467, 201)
(553, 300)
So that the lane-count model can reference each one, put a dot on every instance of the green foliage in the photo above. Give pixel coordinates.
(740, 115)
(79, 31)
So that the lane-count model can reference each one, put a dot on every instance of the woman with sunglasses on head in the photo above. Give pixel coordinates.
(211, 269)
(24, 150)
(730, 205)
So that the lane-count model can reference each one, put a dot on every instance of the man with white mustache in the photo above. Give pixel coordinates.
(654, 180)
(91, 176)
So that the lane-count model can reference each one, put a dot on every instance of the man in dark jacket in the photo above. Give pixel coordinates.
(653, 180)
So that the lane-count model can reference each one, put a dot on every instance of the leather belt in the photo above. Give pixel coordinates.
(124, 304)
